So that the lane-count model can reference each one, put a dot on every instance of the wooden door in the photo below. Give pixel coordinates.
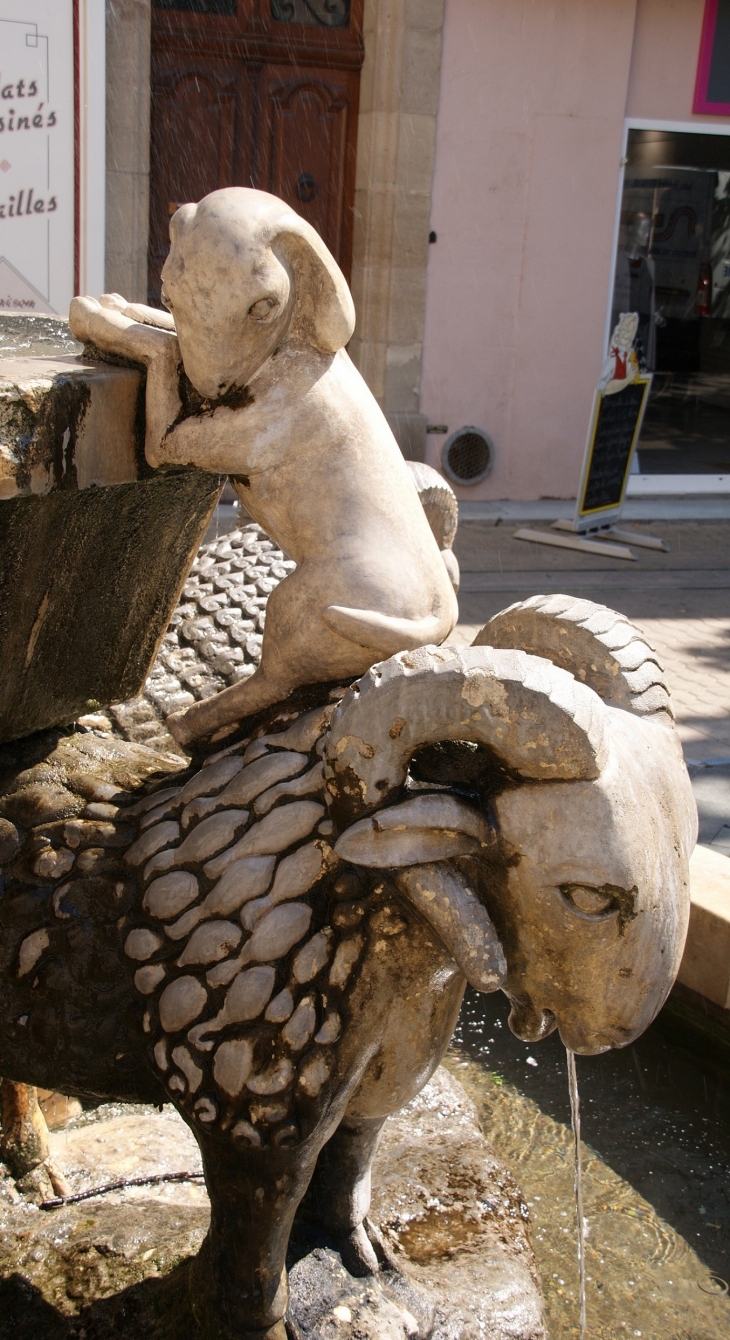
(257, 93)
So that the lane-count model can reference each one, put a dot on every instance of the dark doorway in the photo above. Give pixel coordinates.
(673, 268)
(257, 93)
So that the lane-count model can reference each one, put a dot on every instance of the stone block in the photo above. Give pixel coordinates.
(427, 15)
(705, 965)
(372, 296)
(373, 231)
(377, 150)
(127, 213)
(369, 359)
(407, 304)
(402, 377)
(94, 545)
(416, 152)
(66, 424)
(421, 71)
(127, 147)
(411, 224)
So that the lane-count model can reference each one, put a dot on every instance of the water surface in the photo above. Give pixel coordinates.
(656, 1173)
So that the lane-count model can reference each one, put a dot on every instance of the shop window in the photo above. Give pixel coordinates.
(673, 268)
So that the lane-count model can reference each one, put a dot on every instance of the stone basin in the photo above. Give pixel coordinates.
(94, 545)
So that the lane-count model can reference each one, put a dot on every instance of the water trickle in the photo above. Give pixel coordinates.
(575, 1119)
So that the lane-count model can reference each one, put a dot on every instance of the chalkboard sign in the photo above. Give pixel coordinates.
(614, 432)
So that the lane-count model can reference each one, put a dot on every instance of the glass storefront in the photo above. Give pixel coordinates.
(673, 268)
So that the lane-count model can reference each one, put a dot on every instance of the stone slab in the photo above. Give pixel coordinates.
(115, 1268)
(456, 1219)
(705, 965)
(67, 424)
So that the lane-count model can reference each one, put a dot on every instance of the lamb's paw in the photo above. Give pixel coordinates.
(199, 723)
(82, 315)
(179, 726)
(114, 302)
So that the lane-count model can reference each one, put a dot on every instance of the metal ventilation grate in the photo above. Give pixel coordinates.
(467, 456)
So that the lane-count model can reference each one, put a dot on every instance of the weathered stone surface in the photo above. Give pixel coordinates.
(66, 423)
(456, 1219)
(88, 580)
(327, 1302)
(450, 1211)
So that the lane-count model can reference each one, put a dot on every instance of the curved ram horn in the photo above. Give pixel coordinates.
(535, 717)
(445, 900)
(598, 646)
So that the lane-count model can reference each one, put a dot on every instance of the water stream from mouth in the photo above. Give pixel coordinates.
(655, 1152)
(575, 1122)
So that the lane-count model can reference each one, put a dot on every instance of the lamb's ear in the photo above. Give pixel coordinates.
(179, 220)
(324, 313)
(600, 647)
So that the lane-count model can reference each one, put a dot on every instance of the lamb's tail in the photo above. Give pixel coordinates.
(384, 634)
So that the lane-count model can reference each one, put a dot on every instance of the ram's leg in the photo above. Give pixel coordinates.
(238, 1281)
(338, 1199)
(24, 1142)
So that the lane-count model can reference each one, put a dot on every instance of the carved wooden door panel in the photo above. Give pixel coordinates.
(191, 149)
(255, 93)
(305, 148)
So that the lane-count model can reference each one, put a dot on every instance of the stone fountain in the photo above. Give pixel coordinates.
(275, 931)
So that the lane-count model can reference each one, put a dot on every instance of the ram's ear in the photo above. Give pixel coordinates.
(324, 313)
(426, 828)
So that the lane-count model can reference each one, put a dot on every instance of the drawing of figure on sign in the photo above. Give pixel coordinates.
(621, 367)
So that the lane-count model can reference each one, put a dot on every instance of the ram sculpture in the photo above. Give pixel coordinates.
(278, 941)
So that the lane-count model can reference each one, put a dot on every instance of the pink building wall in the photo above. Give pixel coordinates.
(531, 114)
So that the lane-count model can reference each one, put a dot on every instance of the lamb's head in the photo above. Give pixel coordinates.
(575, 820)
(244, 272)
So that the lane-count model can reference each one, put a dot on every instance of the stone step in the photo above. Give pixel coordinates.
(705, 965)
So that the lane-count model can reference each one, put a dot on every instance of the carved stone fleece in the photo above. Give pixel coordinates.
(244, 974)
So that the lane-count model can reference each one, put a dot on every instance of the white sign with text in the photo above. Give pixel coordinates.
(36, 156)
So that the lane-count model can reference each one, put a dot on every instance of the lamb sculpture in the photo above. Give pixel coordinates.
(260, 318)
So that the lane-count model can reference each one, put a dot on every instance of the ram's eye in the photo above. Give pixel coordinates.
(263, 308)
(590, 901)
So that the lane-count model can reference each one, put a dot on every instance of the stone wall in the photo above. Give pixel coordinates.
(395, 159)
(127, 146)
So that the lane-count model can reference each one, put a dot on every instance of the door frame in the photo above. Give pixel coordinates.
(640, 485)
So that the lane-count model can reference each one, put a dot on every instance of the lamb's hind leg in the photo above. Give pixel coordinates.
(338, 1199)
(298, 648)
